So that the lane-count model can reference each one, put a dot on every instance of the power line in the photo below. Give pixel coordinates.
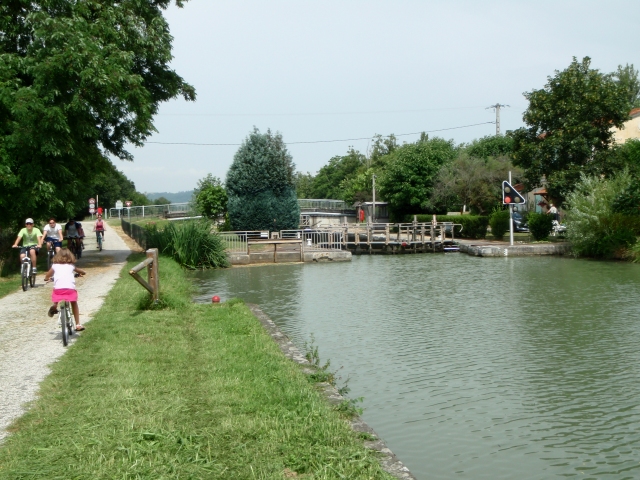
(374, 112)
(321, 141)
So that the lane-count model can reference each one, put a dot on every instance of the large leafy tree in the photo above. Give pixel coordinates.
(569, 127)
(78, 81)
(261, 186)
(110, 185)
(326, 184)
(407, 181)
(210, 197)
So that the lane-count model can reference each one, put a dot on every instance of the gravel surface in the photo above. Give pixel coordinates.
(30, 340)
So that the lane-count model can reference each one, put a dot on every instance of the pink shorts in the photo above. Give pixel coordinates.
(68, 294)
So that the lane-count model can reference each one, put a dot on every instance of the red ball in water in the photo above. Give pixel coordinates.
(215, 299)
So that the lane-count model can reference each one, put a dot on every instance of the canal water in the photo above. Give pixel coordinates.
(473, 368)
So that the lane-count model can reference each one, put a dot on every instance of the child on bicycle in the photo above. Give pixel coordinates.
(53, 234)
(73, 229)
(98, 227)
(64, 273)
(31, 242)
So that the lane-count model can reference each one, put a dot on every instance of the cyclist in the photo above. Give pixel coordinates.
(98, 227)
(73, 229)
(53, 234)
(64, 274)
(31, 242)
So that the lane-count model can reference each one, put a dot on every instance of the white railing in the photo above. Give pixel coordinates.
(237, 242)
(317, 240)
(136, 211)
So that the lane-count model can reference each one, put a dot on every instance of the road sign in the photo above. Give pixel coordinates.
(92, 200)
(510, 195)
(92, 211)
(128, 203)
(119, 204)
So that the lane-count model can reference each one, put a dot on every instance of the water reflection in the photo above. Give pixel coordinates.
(471, 367)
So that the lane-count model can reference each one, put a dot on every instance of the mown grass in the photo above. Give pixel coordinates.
(185, 391)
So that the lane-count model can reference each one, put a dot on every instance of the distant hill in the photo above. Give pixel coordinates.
(178, 197)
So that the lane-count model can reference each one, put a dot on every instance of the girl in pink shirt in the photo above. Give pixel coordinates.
(64, 273)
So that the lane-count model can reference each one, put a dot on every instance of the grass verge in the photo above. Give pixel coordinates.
(185, 391)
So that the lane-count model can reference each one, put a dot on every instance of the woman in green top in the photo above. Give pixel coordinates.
(31, 242)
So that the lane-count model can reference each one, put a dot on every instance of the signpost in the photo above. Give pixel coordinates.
(128, 204)
(92, 206)
(511, 197)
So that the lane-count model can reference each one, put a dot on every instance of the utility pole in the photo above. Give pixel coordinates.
(373, 209)
(497, 107)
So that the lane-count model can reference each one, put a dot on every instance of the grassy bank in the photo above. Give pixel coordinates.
(187, 391)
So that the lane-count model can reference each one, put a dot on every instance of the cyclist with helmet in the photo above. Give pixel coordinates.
(31, 242)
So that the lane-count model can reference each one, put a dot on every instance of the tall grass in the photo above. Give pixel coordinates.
(192, 244)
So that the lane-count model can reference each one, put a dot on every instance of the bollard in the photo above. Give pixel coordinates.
(215, 299)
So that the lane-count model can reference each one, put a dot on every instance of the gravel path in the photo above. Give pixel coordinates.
(30, 340)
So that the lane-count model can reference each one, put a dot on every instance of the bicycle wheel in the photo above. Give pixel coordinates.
(99, 242)
(50, 254)
(25, 278)
(63, 306)
(32, 279)
(70, 326)
(78, 249)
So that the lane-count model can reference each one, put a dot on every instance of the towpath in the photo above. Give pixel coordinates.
(30, 341)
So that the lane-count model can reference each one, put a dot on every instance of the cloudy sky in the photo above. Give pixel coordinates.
(350, 69)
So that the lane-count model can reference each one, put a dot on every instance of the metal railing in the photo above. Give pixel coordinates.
(237, 242)
(143, 211)
(316, 240)
(323, 204)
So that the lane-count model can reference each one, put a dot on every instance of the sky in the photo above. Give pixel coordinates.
(350, 69)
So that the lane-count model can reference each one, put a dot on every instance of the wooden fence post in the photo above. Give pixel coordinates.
(153, 281)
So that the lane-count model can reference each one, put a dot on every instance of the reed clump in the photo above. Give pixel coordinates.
(193, 244)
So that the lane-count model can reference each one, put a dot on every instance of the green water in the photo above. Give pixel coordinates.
(473, 368)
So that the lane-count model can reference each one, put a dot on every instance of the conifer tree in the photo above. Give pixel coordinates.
(261, 185)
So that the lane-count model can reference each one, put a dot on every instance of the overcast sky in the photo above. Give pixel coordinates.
(349, 69)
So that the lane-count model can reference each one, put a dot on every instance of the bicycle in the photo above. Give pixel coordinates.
(26, 271)
(51, 252)
(74, 245)
(99, 239)
(64, 315)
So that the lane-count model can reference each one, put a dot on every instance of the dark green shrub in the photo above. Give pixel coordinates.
(499, 222)
(191, 243)
(473, 226)
(612, 236)
(628, 202)
(540, 225)
(260, 185)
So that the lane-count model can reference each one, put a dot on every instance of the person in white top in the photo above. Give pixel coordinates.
(53, 234)
(64, 273)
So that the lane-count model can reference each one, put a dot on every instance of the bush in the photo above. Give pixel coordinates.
(540, 225)
(192, 244)
(473, 226)
(598, 224)
(499, 222)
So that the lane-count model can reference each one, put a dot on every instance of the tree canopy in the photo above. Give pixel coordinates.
(78, 81)
(407, 181)
(210, 196)
(569, 125)
(260, 185)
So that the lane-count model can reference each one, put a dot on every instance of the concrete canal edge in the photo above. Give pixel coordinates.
(516, 250)
(390, 463)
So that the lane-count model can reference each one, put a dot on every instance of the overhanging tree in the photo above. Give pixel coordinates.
(569, 127)
(78, 81)
(261, 185)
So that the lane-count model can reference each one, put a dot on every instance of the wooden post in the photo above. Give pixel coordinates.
(153, 281)
(386, 234)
